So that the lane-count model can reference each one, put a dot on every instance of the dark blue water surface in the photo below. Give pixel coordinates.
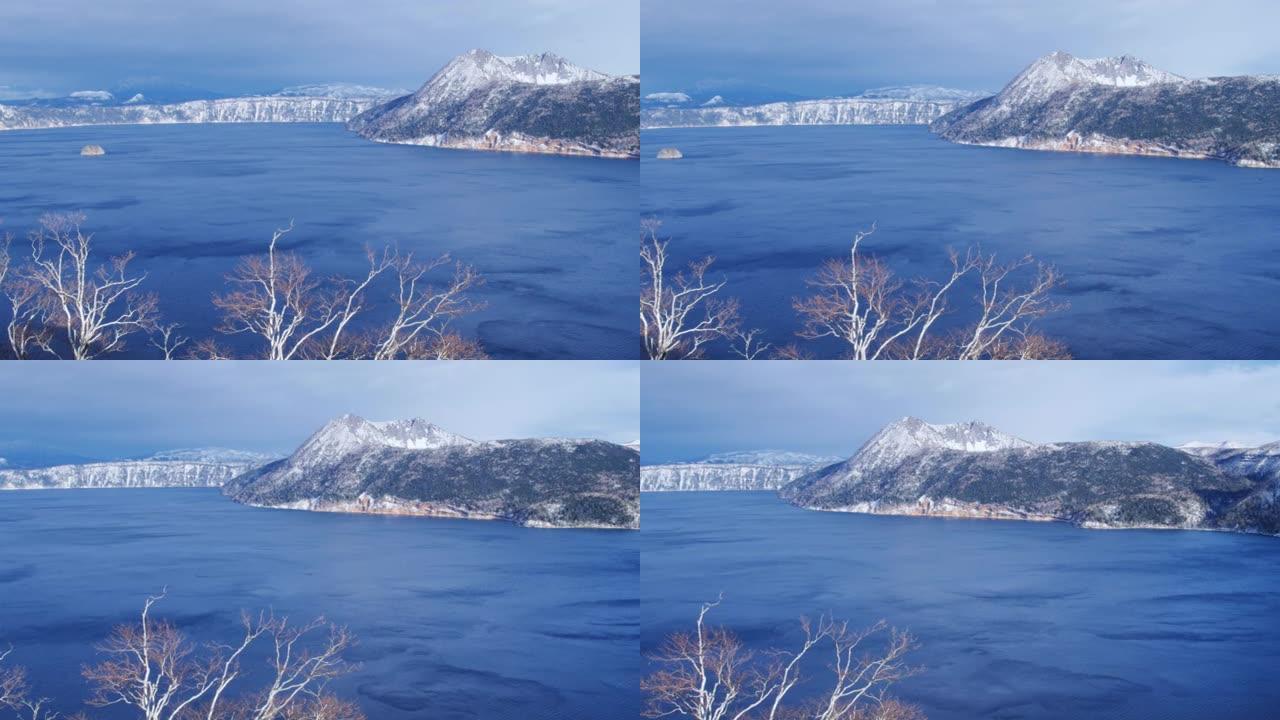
(1163, 258)
(1016, 620)
(455, 619)
(554, 236)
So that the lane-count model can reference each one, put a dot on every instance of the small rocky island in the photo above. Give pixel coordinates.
(92, 151)
(669, 153)
(411, 467)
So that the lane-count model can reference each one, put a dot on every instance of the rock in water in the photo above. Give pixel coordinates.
(92, 150)
(669, 153)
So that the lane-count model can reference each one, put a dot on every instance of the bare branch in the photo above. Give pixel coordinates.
(95, 307)
(859, 302)
(709, 674)
(680, 314)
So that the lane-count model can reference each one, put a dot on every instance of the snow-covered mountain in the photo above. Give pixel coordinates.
(529, 103)
(668, 98)
(341, 91)
(906, 105)
(971, 470)
(924, 93)
(412, 467)
(770, 458)
(207, 467)
(1123, 105)
(1059, 70)
(748, 470)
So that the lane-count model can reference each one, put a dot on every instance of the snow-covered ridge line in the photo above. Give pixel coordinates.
(703, 477)
(413, 467)
(529, 104)
(149, 473)
(1124, 106)
(262, 109)
(832, 111)
(972, 470)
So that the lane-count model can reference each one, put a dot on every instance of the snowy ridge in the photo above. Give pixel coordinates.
(674, 98)
(924, 93)
(701, 477)
(769, 458)
(1058, 70)
(412, 467)
(475, 69)
(1122, 105)
(351, 433)
(341, 91)
(743, 470)
(529, 103)
(909, 436)
(832, 111)
(265, 109)
(180, 468)
(971, 470)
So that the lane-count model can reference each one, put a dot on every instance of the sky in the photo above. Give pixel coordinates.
(234, 46)
(690, 410)
(820, 48)
(114, 409)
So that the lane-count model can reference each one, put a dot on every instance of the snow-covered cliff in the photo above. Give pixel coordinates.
(180, 468)
(905, 105)
(752, 470)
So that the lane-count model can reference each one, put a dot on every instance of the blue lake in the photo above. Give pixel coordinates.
(1163, 258)
(554, 236)
(455, 619)
(1032, 621)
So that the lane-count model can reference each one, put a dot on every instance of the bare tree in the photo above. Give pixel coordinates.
(167, 340)
(862, 303)
(680, 314)
(15, 693)
(152, 668)
(748, 345)
(420, 328)
(1003, 328)
(95, 307)
(709, 674)
(278, 298)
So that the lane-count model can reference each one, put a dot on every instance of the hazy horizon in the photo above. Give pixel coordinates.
(815, 49)
(690, 410)
(52, 49)
(121, 409)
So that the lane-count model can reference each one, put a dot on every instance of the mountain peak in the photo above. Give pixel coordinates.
(349, 433)
(1060, 69)
(478, 67)
(908, 436)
